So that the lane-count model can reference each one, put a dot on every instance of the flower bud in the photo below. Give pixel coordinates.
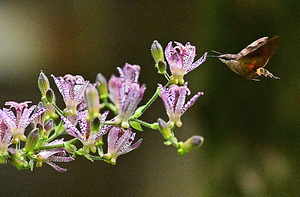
(50, 95)
(91, 98)
(48, 126)
(190, 144)
(31, 141)
(102, 88)
(164, 129)
(158, 56)
(157, 51)
(43, 83)
(161, 67)
(16, 159)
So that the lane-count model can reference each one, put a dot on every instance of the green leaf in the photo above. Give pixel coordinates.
(136, 125)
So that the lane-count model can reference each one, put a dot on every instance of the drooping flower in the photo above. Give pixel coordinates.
(180, 59)
(85, 134)
(174, 100)
(17, 123)
(72, 89)
(53, 155)
(119, 142)
(126, 92)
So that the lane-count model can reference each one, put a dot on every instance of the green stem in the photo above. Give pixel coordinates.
(167, 76)
(151, 126)
(61, 113)
(72, 141)
(18, 146)
(143, 108)
(110, 106)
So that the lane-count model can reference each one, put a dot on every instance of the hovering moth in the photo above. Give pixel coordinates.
(250, 61)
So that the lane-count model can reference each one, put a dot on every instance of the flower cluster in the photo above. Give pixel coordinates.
(86, 118)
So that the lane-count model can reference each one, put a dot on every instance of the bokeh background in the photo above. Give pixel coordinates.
(251, 129)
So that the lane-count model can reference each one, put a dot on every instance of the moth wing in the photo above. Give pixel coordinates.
(261, 53)
(253, 46)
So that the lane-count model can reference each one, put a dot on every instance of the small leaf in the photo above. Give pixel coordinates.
(167, 143)
(136, 125)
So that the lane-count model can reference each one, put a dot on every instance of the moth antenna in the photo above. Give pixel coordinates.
(217, 52)
(214, 55)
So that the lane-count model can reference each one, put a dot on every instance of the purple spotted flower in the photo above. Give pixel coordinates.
(119, 142)
(53, 155)
(85, 134)
(17, 123)
(126, 93)
(180, 59)
(5, 137)
(72, 89)
(174, 100)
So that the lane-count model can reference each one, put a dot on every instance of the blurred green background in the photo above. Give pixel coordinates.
(251, 129)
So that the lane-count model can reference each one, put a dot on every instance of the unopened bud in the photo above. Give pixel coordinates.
(164, 129)
(91, 98)
(190, 144)
(50, 95)
(48, 126)
(43, 83)
(161, 67)
(102, 88)
(157, 51)
(31, 141)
